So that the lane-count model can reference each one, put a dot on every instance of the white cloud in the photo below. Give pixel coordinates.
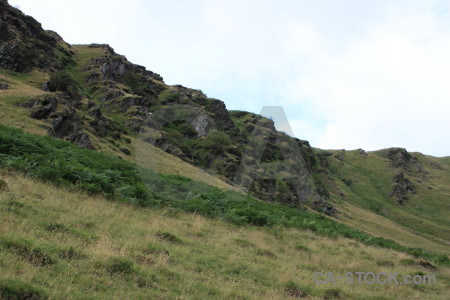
(350, 74)
(390, 88)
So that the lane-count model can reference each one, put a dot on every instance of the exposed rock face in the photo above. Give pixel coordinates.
(24, 44)
(113, 65)
(168, 146)
(68, 126)
(202, 123)
(402, 187)
(108, 74)
(399, 158)
(181, 121)
(308, 155)
(103, 126)
(221, 116)
(42, 107)
(275, 166)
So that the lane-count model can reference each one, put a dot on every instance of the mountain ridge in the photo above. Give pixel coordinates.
(96, 98)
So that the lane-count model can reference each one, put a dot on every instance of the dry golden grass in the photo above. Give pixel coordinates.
(156, 159)
(22, 87)
(214, 260)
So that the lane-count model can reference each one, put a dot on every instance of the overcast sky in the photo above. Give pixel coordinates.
(349, 73)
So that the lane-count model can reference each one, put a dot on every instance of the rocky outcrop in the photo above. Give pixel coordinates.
(168, 146)
(68, 126)
(25, 45)
(181, 121)
(202, 123)
(273, 165)
(103, 126)
(221, 116)
(402, 187)
(362, 152)
(400, 158)
(42, 107)
(113, 66)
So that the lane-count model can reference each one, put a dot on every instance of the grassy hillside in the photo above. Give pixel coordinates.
(74, 246)
(115, 185)
(366, 182)
(66, 165)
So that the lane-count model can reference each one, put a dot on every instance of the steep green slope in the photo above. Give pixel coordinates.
(368, 181)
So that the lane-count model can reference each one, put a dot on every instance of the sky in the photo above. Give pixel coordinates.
(349, 74)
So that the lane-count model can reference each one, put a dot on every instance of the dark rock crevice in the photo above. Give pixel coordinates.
(402, 188)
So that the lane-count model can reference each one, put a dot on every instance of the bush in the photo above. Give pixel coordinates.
(217, 142)
(64, 82)
(65, 164)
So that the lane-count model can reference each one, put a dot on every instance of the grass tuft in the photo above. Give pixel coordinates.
(15, 289)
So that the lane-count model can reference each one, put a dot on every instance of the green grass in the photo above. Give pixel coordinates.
(425, 213)
(64, 164)
(138, 254)
(15, 289)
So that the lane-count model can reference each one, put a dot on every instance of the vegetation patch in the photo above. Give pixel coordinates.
(3, 186)
(18, 208)
(385, 263)
(15, 289)
(302, 248)
(64, 164)
(294, 290)
(167, 236)
(120, 265)
(71, 253)
(332, 294)
(56, 227)
(62, 81)
(154, 249)
(266, 253)
(407, 262)
(27, 250)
